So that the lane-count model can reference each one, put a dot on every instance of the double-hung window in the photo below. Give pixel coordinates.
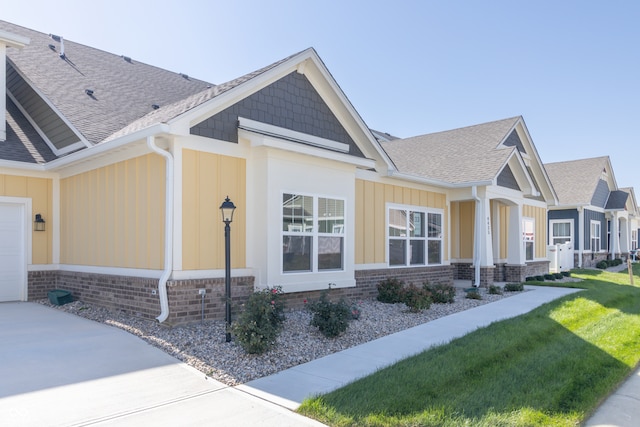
(595, 236)
(312, 233)
(414, 236)
(528, 238)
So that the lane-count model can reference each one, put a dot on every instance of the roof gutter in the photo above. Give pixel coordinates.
(168, 229)
(104, 147)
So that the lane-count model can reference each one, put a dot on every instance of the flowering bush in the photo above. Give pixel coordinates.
(260, 323)
(355, 311)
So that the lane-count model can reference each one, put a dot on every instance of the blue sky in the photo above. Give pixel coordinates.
(570, 68)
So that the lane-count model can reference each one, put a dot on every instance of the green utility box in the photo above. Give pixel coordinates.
(59, 297)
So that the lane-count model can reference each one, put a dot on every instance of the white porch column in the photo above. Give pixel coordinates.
(495, 229)
(582, 244)
(515, 255)
(625, 236)
(485, 241)
(614, 236)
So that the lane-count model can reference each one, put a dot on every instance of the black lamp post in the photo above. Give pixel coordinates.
(227, 208)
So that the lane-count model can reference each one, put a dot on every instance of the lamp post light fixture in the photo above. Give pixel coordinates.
(227, 208)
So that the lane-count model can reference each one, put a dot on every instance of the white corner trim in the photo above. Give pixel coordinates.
(292, 135)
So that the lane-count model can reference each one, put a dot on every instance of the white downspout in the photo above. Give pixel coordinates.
(168, 229)
(476, 238)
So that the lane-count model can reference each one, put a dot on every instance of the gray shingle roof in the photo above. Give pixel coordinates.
(171, 111)
(123, 90)
(469, 154)
(575, 181)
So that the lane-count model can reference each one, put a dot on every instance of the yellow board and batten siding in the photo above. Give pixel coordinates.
(114, 216)
(371, 200)
(540, 217)
(40, 191)
(207, 179)
(463, 215)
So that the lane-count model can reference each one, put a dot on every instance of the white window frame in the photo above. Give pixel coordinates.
(296, 230)
(408, 238)
(560, 221)
(526, 240)
(597, 236)
(634, 239)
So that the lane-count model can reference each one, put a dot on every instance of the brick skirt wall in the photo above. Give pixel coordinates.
(588, 261)
(139, 297)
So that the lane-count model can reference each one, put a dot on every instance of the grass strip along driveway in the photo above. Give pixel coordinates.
(550, 367)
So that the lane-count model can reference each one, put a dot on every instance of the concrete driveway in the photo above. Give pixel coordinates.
(57, 369)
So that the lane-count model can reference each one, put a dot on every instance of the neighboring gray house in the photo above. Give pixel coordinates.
(593, 213)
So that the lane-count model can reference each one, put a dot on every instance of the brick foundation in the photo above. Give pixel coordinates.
(138, 296)
(588, 261)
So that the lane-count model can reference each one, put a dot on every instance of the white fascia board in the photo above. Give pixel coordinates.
(10, 164)
(106, 147)
(531, 148)
(523, 172)
(13, 40)
(291, 135)
(351, 109)
(297, 147)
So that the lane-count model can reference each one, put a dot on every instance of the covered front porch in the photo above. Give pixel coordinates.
(496, 239)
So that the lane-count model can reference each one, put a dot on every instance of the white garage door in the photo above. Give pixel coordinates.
(12, 258)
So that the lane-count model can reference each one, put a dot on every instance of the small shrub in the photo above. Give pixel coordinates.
(495, 290)
(355, 311)
(513, 287)
(390, 290)
(530, 278)
(549, 277)
(417, 299)
(558, 276)
(617, 261)
(442, 293)
(260, 323)
(566, 273)
(474, 294)
(331, 318)
(539, 278)
(602, 265)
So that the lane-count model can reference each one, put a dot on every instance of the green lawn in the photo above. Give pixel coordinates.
(550, 367)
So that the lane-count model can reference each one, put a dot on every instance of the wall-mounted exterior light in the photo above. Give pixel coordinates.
(39, 223)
